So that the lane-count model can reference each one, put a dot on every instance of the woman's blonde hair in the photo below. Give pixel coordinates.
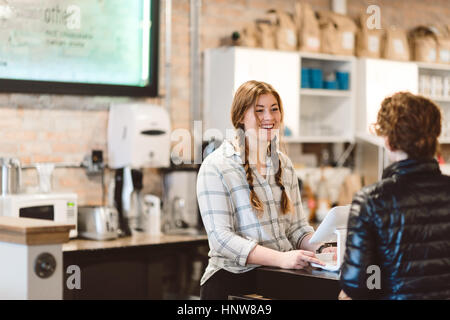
(246, 96)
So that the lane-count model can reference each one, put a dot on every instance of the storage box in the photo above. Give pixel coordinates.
(305, 78)
(316, 78)
(343, 80)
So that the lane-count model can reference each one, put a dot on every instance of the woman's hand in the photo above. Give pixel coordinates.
(298, 259)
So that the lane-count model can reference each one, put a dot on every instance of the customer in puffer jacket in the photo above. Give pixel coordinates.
(398, 237)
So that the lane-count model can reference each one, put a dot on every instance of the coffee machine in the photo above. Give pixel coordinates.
(138, 137)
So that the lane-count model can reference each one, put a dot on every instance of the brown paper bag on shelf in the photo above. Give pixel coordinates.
(266, 34)
(245, 37)
(284, 29)
(328, 36)
(395, 45)
(444, 44)
(249, 36)
(368, 41)
(286, 35)
(337, 33)
(307, 25)
(424, 44)
(444, 50)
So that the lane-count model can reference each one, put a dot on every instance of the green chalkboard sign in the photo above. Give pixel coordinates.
(100, 47)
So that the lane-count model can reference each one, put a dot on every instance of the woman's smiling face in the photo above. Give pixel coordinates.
(263, 120)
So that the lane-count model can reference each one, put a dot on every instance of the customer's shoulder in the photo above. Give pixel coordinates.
(374, 190)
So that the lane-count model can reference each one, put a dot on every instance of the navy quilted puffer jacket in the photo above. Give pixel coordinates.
(402, 225)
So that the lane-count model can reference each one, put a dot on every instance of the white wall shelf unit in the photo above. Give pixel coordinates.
(311, 115)
(377, 79)
(325, 93)
(433, 66)
(434, 83)
(318, 115)
(327, 115)
(226, 68)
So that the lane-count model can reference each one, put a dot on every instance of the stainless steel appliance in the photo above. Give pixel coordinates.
(98, 223)
(180, 199)
(10, 176)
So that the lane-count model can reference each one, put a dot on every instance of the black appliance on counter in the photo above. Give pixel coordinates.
(127, 200)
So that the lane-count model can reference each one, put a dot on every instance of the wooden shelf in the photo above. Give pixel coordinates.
(433, 66)
(326, 93)
(325, 56)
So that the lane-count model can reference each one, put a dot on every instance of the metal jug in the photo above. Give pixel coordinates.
(10, 176)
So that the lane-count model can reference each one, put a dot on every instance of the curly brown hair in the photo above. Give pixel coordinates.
(412, 123)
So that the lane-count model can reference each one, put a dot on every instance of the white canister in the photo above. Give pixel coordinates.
(152, 223)
(436, 86)
(425, 85)
(446, 87)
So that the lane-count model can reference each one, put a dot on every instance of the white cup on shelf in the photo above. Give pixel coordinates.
(446, 87)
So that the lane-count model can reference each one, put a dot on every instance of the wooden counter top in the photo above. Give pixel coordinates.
(136, 240)
(33, 231)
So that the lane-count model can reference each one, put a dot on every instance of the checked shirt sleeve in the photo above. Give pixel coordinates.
(217, 213)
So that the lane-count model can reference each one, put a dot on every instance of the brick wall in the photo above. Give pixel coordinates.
(59, 129)
(55, 128)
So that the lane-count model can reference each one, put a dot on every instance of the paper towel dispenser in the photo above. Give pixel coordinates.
(138, 136)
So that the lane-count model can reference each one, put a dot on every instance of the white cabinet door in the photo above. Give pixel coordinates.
(378, 79)
(279, 69)
(218, 90)
(227, 68)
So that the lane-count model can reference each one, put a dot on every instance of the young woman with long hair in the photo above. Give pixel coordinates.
(249, 199)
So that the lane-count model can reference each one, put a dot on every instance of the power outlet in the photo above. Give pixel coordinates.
(94, 162)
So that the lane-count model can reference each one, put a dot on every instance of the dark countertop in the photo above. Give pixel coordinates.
(304, 284)
(308, 272)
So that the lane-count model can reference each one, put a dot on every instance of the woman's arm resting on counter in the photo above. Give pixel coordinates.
(305, 245)
(294, 259)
